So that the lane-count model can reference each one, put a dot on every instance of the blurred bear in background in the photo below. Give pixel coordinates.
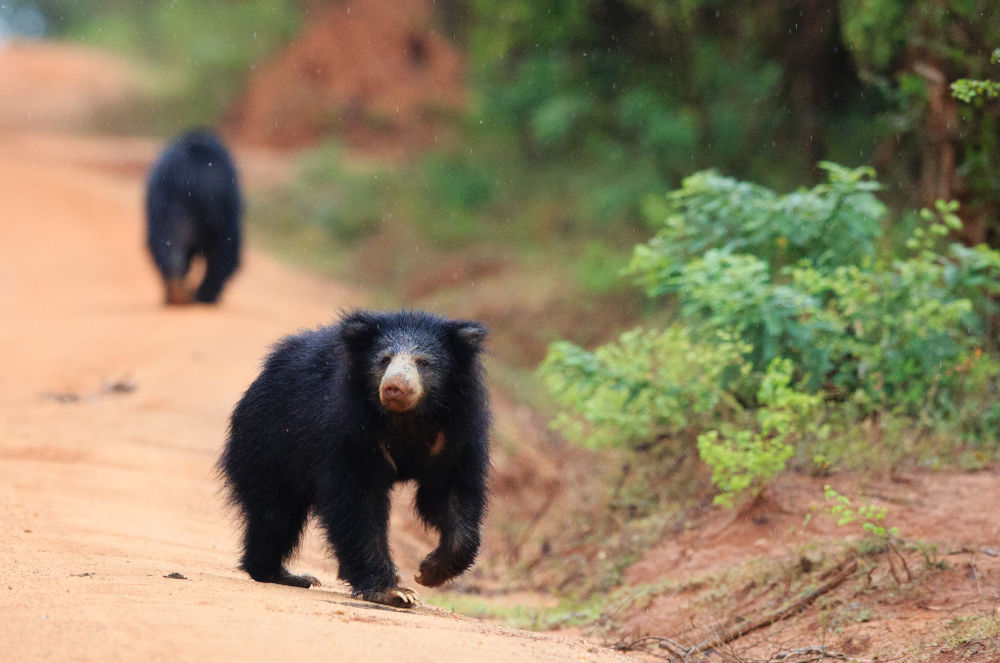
(193, 208)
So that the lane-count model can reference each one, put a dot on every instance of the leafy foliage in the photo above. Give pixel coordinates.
(886, 334)
(968, 89)
(743, 459)
(891, 329)
(834, 223)
(647, 384)
(868, 516)
(340, 201)
(681, 83)
(908, 50)
(884, 539)
(811, 335)
(763, 94)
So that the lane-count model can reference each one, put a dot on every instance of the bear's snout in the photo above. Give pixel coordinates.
(396, 390)
(400, 389)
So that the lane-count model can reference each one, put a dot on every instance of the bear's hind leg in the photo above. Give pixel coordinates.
(286, 577)
(221, 260)
(269, 540)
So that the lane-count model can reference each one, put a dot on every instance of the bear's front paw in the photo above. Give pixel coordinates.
(433, 572)
(397, 597)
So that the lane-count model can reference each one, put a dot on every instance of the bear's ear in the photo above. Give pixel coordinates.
(358, 328)
(472, 334)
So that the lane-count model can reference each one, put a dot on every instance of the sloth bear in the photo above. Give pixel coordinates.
(340, 414)
(193, 207)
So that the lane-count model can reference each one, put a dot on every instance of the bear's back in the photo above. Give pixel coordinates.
(197, 172)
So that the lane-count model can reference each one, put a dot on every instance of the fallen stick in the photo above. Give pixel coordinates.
(676, 649)
(845, 571)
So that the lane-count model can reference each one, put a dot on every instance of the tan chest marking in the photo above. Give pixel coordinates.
(438, 445)
(385, 452)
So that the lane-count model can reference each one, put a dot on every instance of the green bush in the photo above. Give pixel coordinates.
(457, 188)
(797, 277)
(795, 316)
(895, 334)
(672, 83)
(723, 291)
(743, 459)
(978, 411)
(346, 203)
(834, 223)
(648, 384)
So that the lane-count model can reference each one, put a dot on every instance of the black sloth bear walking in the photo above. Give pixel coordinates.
(340, 414)
(193, 207)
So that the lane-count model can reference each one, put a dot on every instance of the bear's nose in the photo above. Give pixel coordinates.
(397, 389)
(398, 395)
(400, 389)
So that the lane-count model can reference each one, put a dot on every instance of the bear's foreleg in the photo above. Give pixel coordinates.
(456, 512)
(356, 520)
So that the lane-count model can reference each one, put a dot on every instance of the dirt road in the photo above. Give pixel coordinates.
(112, 412)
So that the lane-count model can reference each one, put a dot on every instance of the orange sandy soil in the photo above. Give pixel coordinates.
(727, 569)
(113, 409)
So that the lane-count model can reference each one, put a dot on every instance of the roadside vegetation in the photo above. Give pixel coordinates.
(796, 339)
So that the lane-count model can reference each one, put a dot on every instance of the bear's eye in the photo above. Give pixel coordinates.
(422, 362)
(384, 360)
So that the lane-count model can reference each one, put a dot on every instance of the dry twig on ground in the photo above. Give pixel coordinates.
(681, 653)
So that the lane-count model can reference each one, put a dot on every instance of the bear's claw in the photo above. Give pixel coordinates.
(398, 597)
(285, 578)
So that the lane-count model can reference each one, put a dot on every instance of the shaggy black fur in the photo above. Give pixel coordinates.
(193, 207)
(311, 435)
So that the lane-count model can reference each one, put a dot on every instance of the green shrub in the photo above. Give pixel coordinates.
(735, 293)
(868, 516)
(895, 334)
(456, 189)
(798, 322)
(743, 459)
(835, 223)
(648, 384)
(797, 277)
(977, 412)
(346, 203)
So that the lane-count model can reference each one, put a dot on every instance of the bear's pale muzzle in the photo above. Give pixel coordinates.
(400, 389)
